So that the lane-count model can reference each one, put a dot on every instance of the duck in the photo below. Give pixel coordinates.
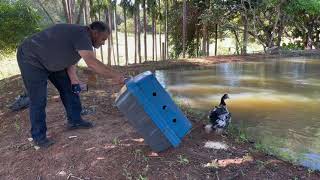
(219, 117)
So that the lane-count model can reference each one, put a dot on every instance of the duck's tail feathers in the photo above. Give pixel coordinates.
(208, 128)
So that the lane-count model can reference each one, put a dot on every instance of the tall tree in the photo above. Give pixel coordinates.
(116, 29)
(125, 5)
(137, 5)
(80, 11)
(152, 11)
(305, 18)
(166, 29)
(184, 26)
(160, 18)
(45, 10)
(145, 28)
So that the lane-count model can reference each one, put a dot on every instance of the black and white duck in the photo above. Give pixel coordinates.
(219, 117)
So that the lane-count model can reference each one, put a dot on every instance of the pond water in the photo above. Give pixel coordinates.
(275, 101)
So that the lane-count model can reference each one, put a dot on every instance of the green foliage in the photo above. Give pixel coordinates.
(175, 29)
(130, 26)
(304, 18)
(238, 133)
(18, 20)
(115, 141)
(183, 160)
(311, 7)
(293, 46)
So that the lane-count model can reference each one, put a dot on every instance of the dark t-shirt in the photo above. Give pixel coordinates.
(56, 48)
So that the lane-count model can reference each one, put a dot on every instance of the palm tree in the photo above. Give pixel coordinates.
(160, 17)
(166, 40)
(115, 27)
(145, 28)
(184, 28)
(125, 4)
(138, 29)
(135, 36)
(151, 9)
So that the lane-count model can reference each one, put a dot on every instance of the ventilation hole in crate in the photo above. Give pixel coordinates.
(174, 120)
(164, 107)
(154, 94)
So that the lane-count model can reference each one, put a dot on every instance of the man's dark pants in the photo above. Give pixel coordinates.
(35, 81)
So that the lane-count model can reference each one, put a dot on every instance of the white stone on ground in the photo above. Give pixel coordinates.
(216, 145)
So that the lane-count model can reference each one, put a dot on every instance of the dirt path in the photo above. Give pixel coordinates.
(113, 150)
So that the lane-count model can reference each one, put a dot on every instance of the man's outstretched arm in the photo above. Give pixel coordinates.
(100, 68)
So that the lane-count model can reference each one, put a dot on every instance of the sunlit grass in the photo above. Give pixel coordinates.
(8, 68)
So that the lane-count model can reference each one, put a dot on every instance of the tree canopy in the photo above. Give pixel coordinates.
(18, 20)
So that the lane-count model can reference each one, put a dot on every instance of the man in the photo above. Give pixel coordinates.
(52, 54)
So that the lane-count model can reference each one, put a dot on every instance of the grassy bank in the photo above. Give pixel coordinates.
(238, 134)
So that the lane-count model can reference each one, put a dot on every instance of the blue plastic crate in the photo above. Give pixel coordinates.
(152, 112)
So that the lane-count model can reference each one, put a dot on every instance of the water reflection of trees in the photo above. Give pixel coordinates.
(282, 75)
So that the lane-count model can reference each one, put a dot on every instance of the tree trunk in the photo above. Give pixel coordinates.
(125, 35)
(152, 37)
(155, 38)
(139, 34)
(198, 41)
(115, 27)
(245, 35)
(317, 39)
(184, 27)
(160, 45)
(44, 9)
(216, 41)
(208, 42)
(166, 40)
(204, 45)
(135, 37)
(93, 17)
(80, 12)
(280, 30)
(109, 39)
(111, 35)
(145, 29)
(66, 10)
(270, 44)
(309, 36)
(86, 12)
(101, 48)
(237, 41)
(71, 10)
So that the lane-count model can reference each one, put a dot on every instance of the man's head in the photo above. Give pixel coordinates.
(99, 33)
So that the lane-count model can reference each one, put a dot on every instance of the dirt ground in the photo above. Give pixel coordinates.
(113, 150)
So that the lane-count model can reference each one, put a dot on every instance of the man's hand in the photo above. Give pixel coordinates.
(76, 88)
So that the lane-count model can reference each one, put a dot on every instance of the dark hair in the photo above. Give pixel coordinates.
(99, 26)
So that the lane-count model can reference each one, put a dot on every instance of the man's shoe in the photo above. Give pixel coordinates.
(44, 143)
(80, 125)
(20, 103)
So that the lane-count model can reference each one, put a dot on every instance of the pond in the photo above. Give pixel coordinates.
(275, 101)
